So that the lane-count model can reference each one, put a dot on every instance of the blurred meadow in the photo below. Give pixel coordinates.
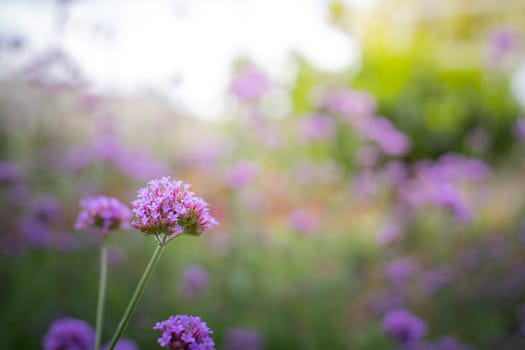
(360, 157)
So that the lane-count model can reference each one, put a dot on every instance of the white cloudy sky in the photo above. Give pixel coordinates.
(155, 44)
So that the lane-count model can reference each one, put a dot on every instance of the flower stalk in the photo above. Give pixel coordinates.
(101, 293)
(136, 296)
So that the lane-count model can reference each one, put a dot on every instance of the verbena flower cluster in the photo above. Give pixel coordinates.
(403, 327)
(103, 212)
(168, 207)
(70, 334)
(184, 332)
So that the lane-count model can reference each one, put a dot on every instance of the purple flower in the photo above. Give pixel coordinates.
(123, 344)
(242, 339)
(250, 84)
(103, 212)
(69, 334)
(194, 281)
(168, 207)
(404, 327)
(183, 332)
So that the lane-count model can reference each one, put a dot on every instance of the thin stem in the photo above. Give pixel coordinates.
(101, 293)
(136, 296)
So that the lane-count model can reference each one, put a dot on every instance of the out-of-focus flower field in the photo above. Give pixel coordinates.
(383, 209)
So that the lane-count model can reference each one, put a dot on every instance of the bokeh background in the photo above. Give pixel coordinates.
(360, 156)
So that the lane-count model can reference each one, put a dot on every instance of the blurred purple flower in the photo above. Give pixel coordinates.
(103, 212)
(403, 327)
(315, 127)
(302, 221)
(35, 232)
(241, 174)
(69, 334)
(401, 269)
(250, 84)
(168, 207)
(242, 339)
(349, 103)
(183, 332)
(194, 281)
(502, 40)
(123, 344)
(440, 184)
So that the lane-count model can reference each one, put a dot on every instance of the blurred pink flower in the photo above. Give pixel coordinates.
(250, 84)
(302, 221)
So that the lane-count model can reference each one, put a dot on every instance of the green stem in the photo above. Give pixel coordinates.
(136, 296)
(101, 293)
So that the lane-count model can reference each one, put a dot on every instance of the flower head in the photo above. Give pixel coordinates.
(106, 213)
(183, 332)
(168, 207)
(403, 326)
(69, 334)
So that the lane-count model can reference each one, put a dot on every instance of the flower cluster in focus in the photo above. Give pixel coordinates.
(168, 207)
(183, 332)
(103, 212)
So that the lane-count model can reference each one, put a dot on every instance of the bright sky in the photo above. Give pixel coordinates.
(183, 48)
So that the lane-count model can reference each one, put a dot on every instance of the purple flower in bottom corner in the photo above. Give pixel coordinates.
(403, 327)
(69, 334)
(242, 339)
(184, 332)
